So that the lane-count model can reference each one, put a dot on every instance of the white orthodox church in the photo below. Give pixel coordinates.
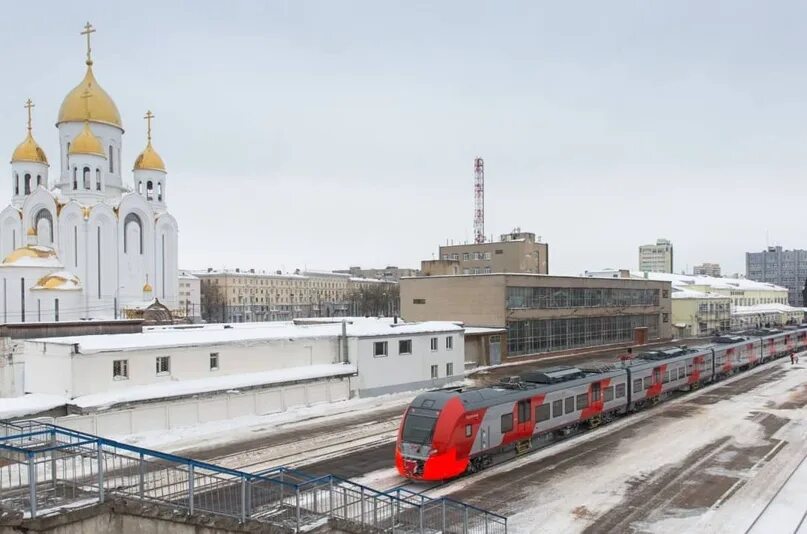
(79, 241)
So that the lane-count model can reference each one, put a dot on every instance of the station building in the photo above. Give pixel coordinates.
(516, 252)
(541, 313)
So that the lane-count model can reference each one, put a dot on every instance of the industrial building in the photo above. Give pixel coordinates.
(656, 258)
(787, 268)
(543, 314)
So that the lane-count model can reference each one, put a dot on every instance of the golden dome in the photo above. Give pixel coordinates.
(100, 108)
(149, 159)
(28, 150)
(34, 252)
(31, 231)
(147, 288)
(86, 143)
(59, 280)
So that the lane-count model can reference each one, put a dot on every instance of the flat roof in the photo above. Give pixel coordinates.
(221, 334)
(537, 275)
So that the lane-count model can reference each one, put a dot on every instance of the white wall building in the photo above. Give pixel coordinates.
(78, 240)
(177, 361)
(656, 258)
(189, 296)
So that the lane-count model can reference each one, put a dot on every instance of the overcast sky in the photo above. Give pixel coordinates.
(335, 133)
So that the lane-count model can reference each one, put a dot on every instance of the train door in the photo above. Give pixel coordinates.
(657, 376)
(485, 432)
(524, 417)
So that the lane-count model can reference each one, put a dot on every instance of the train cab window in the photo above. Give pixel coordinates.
(469, 430)
(569, 405)
(507, 422)
(542, 413)
(647, 382)
(609, 394)
(523, 411)
(557, 408)
(637, 385)
(620, 390)
(595, 392)
(582, 401)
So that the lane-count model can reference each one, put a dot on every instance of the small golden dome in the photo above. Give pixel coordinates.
(86, 143)
(149, 160)
(59, 280)
(33, 252)
(28, 150)
(31, 231)
(100, 108)
(147, 288)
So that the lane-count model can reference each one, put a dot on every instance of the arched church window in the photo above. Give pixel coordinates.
(149, 190)
(140, 187)
(38, 179)
(159, 191)
(86, 177)
(97, 179)
(43, 222)
(27, 184)
(111, 160)
(132, 231)
(75, 178)
(16, 184)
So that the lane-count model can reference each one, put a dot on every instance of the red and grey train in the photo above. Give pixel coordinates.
(447, 433)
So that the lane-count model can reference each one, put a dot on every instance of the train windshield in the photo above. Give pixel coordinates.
(419, 425)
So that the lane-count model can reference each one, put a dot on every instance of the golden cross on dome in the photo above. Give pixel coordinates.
(86, 95)
(88, 29)
(29, 104)
(148, 117)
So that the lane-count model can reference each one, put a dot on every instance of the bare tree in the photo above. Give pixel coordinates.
(214, 303)
(378, 300)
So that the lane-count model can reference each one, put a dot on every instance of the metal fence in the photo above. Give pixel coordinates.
(45, 469)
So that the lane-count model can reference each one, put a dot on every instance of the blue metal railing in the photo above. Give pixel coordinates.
(48, 467)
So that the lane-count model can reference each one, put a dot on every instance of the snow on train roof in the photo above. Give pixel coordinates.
(245, 333)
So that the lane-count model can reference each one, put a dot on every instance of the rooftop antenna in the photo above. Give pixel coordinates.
(479, 201)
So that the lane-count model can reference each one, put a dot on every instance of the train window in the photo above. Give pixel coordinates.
(582, 401)
(609, 394)
(666, 376)
(647, 382)
(637, 385)
(557, 408)
(507, 422)
(542, 413)
(620, 390)
(469, 430)
(523, 411)
(569, 404)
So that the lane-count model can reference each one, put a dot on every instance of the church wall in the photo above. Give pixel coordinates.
(10, 231)
(11, 283)
(109, 135)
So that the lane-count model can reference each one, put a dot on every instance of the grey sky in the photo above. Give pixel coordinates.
(325, 134)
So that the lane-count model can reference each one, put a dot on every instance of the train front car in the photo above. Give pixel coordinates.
(428, 446)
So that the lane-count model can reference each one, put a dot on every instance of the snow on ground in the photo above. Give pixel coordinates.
(571, 496)
(220, 433)
(11, 407)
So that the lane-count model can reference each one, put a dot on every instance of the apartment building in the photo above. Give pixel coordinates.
(516, 252)
(190, 296)
(707, 269)
(390, 273)
(787, 268)
(656, 258)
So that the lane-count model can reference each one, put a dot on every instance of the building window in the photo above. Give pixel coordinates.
(75, 179)
(27, 184)
(163, 365)
(665, 317)
(97, 179)
(111, 160)
(418, 301)
(466, 256)
(379, 349)
(405, 346)
(507, 422)
(214, 361)
(434, 343)
(86, 178)
(450, 343)
(120, 370)
(16, 184)
(487, 255)
(449, 369)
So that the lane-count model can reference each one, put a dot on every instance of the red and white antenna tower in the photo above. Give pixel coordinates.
(479, 200)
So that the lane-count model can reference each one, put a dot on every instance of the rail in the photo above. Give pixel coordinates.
(45, 469)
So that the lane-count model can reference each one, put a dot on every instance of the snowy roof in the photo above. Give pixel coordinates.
(59, 280)
(773, 307)
(685, 280)
(186, 275)
(205, 385)
(247, 273)
(481, 330)
(31, 403)
(33, 256)
(680, 293)
(243, 333)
